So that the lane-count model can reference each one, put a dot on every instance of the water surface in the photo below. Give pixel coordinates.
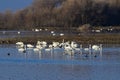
(44, 65)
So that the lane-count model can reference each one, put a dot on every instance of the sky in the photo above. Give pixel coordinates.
(14, 4)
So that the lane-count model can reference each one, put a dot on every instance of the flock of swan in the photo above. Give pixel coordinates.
(68, 47)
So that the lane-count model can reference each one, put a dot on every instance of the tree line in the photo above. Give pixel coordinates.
(63, 14)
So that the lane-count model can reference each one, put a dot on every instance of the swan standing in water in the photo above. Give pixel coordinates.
(96, 48)
(88, 51)
(20, 44)
(23, 49)
(68, 49)
(81, 49)
(38, 47)
(53, 46)
(30, 46)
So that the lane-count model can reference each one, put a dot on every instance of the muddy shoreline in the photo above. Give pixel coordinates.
(82, 39)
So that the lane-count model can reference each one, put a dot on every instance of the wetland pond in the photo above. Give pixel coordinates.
(47, 65)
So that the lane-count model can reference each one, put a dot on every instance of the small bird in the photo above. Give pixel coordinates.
(8, 54)
(86, 55)
(95, 56)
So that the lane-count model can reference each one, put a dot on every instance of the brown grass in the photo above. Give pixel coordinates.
(83, 39)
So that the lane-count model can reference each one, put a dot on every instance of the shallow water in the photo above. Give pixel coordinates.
(58, 66)
(14, 34)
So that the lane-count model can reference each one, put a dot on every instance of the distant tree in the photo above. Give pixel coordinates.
(19, 20)
(8, 19)
(63, 13)
(29, 20)
(1, 20)
(98, 14)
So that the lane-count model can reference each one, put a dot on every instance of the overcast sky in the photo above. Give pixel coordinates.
(13, 4)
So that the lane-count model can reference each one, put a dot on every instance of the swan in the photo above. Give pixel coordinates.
(50, 47)
(88, 48)
(68, 49)
(61, 34)
(36, 30)
(23, 49)
(43, 44)
(88, 51)
(62, 44)
(36, 49)
(30, 46)
(46, 29)
(96, 47)
(19, 43)
(40, 29)
(55, 44)
(81, 49)
(39, 46)
(52, 32)
(38, 42)
(18, 32)
(74, 44)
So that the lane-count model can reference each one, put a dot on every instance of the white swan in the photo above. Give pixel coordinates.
(36, 49)
(74, 44)
(19, 43)
(68, 49)
(30, 46)
(43, 44)
(50, 48)
(38, 42)
(88, 51)
(22, 49)
(36, 30)
(52, 32)
(38, 46)
(88, 48)
(18, 32)
(55, 44)
(96, 47)
(61, 34)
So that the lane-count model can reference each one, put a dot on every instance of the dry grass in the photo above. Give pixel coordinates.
(83, 39)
